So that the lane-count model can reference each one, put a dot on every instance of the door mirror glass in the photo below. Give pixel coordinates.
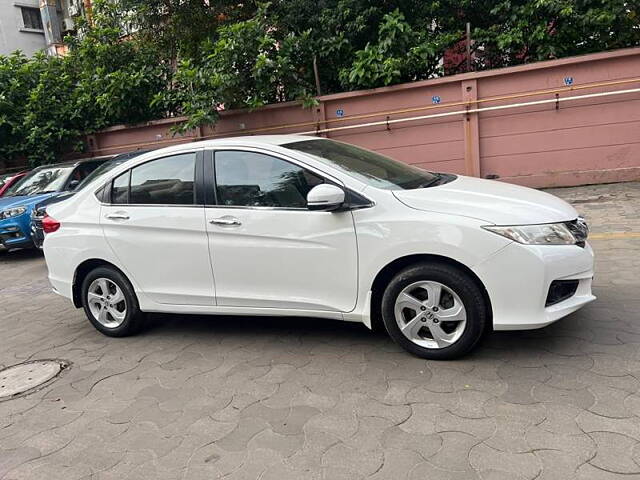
(73, 184)
(325, 197)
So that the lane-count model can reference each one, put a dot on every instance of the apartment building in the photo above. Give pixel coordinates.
(34, 25)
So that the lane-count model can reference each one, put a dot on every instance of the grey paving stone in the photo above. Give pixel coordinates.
(236, 398)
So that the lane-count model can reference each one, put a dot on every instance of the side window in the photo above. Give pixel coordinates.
(120, 189)
(256, 180)
(166, 181)
(81, 172)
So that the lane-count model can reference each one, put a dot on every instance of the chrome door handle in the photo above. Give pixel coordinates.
(117, 216)
(228, 221)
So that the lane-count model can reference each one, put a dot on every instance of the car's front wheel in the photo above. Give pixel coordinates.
(110, 303)
(434, 310)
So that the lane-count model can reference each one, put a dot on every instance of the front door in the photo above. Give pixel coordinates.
(267, 249)
(157, 231)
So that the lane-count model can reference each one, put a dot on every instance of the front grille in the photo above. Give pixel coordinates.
(560, 290)
(579, 229)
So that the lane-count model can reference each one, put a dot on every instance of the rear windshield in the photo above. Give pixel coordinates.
(367, 166)
(102, 169)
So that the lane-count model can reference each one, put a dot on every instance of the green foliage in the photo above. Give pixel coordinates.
(48, 103)
(18, 76)
(248, 65)
(510, 32)
(179, 27)
(146, 59)
(401, 54)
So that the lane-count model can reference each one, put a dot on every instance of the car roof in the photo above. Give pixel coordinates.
(277, 140)
(244, 141)
(262, 139)
(247, 140)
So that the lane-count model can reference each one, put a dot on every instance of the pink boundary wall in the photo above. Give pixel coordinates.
(594, 140)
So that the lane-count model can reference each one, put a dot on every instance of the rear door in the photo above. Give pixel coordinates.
(155, 225)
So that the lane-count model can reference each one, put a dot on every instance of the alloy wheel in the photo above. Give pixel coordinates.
(430, 314)
(107, 303)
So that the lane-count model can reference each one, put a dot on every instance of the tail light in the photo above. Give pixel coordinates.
(50, 224)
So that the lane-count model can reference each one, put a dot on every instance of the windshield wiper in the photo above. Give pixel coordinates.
(436, 179)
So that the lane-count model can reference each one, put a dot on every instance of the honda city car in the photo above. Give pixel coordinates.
(310, 227)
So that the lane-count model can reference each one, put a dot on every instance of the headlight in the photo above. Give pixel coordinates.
(12, 212)
(546, 234)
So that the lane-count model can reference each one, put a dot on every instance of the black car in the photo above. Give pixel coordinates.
(39, 211)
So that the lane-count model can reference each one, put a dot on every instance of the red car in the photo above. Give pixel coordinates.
(9, 179)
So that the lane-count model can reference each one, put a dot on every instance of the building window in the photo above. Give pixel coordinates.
(31, 18)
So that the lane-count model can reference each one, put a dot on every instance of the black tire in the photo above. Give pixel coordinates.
(134, 318)
(469, 292)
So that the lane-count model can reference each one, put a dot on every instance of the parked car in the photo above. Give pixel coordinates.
(40, 210)
(41, 183)
(9, 179)
(309, 227)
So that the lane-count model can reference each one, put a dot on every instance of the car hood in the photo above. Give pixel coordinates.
(490, 201)
(25, 200)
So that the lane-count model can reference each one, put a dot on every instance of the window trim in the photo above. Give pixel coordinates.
(33, 10)
(210, 182)
(110, 198)
(107, 194)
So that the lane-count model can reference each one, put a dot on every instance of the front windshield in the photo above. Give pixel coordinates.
(369, 167)
(42, 180)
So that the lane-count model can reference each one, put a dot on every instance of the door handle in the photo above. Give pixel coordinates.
(227, 221)
(117, 216)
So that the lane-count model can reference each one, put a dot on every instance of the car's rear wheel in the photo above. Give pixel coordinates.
(110, 303)
(434, 310)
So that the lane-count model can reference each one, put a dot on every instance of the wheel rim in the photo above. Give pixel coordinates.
(430, 314)
(107, 303)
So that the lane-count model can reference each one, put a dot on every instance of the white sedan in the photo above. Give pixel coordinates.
(310, 227)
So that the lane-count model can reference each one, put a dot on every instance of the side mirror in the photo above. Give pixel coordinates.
(73, 184)
(325, 197)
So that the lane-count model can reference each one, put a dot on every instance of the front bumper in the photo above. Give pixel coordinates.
(15, 232)
(518, 277)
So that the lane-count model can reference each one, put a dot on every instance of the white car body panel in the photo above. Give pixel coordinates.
(319, 264)
(163, 248)
(491, 201)
(284, 259)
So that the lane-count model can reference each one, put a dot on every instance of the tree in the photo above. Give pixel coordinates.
(48, 103)
(511, 32)
(18, 76)
(250, 65)
(179, 27)
(145, 59)
(401, 54)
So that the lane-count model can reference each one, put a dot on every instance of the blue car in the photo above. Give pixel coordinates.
(18, 202)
